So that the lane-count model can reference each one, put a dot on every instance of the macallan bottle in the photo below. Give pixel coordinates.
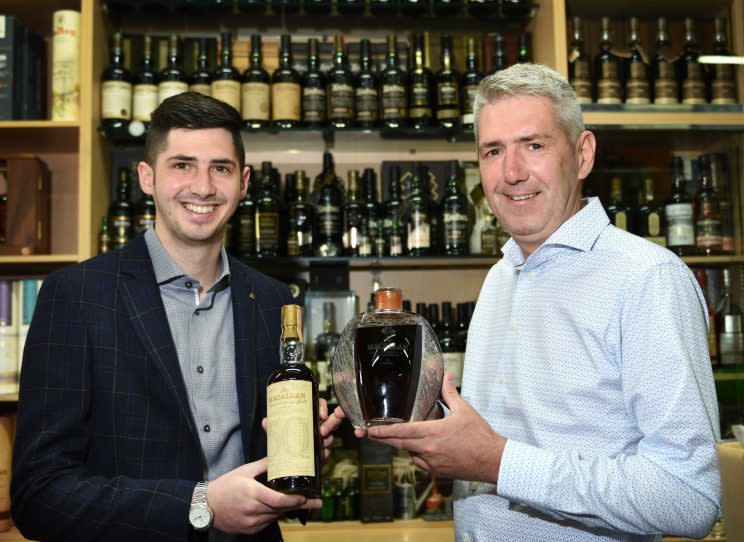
(609, 86)
(120, 212)
(708, 239)
(393, 99)
(692, 79)
(650, 220)
(145, 89)
(116, 88)
(722, 86)
(447, 84)
(620, 214)
(226, 79)
(366, 91)
(201, 80)
(499, 55)
(420, 87)
(468, 84)
(454, 217)
(340, 87)
(666, 89)
(314, 97)
(172, 80)
(293, 435)
(285, 88)
(679, 214)
(255, 89)
(328, 198)
(636, 86)
(579, 65)
(300, 219)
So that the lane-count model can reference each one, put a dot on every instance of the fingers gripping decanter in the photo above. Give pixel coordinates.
(388, 366)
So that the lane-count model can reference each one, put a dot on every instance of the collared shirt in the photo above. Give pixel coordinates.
(590, 356)
(203, 333)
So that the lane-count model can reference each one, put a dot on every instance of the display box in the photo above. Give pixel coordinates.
(24, 224)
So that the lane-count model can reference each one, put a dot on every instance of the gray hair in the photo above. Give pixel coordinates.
(533, 80)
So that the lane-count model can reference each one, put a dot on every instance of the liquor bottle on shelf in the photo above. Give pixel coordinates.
(285, 88)
(468, 84)
(729, 325)
(420, 87)
(172, 80)
(255, 89)
(143, 213)
(116, 88)
(145, 87)
(366, 90)
(620, 215)
(339, 496)
(314, 100)
(722, 85)
(499, 55)
(666, 89)
(201, 80)
(226, 79)
(691, 77)
(325, 346)
(453, 349)
(372, 209)
(523, 55)
(699, 273)
(719, 180)
(300, 219)
(392, 215)
(244, 224)
(417, 218)
(679, 214)
(708, 238)
(120, 212)
(393, 99)
(463, 321)
(432, 316)
(267, 215)
(447, 81)
(105, 239)
(340, 87)
(328, 499)
(353, 212)
(328, 197)
(351, 503)
(350, 7)
(489, 242)
(579, 65)
(636, 87)
(608, 69)
(292, 413)
(454, 217)
(650, 221)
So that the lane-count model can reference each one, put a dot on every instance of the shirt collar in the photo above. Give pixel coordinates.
(579, 232)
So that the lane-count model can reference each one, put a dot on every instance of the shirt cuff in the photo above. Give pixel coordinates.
(524, 473)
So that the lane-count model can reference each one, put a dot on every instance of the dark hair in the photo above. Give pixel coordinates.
(192, 111)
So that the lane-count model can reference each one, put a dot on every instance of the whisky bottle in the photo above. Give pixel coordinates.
(352, 499)
(447, 81)
(722, 86)
(432, 316)
(105, 239)
(579, 65)
(453, 349)
(418, 217)
(699, 273)
(293, 435)
(729, 325)
(244, 224)
(366, 90)
(392, 215)
(255, 89)
(285, 88)
(143, 214)
(325, 347)
(226, 79)
(145, 88)
(679, 214)
(340, 87)
(420, 87)
(721, 185)
(393, 88)
(666, 89)
(609, 86)
(172, 80)
(468, 84)
(650, 220)
(328, 498)
(692, 80)
(708, 238)
(353, 212)
(267, 215)
(523, 56)
(620, 214)
(499, 55)
(327, 201)
(339, 496)
(454, 217)
(636, 87)
(116, 88)
(120, 212)
(372, 210)
(300, 219)
(313, 89)
(201, 79)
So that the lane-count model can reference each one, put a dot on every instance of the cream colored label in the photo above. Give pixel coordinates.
(144, 101)
(116, 100)
(227, 91)
(453, 364)
(255, 101)
(285, 101)
(65, 65)
(291, 451)
(166, 89)
(201, 88)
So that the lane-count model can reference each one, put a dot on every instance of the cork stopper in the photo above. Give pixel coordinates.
(292, 322)
(388, 299)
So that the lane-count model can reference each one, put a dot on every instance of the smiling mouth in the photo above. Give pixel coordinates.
(199, 209)
(521, 198)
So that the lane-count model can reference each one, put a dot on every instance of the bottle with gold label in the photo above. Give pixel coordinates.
(267, 222)
(420, 87)
(200, 79)
(226, 79)
(692, 78)
(448, 87)
(650, 221)
(579, 65)
(172, 80)
(293, 435)
(608, 71)
(618, 212)
(255, 89)
(666, 89)
(636, 87)
(313, 89)
(145, 88)
(722, 86)
(285, 88)
(393, 88)
(366, 89)
(468, 84)
(116, 88)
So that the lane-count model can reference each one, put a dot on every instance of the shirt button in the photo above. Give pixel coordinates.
(513, 324)
(207, 429)
(200, 369)
(189, 284)
(473, 486)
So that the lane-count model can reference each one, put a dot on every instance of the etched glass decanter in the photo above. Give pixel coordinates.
(388, 366)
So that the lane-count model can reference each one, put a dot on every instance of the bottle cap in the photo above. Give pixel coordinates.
(388, 299)
(292, 322)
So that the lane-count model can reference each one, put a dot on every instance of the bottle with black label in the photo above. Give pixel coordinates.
(454, 217)
(469, 83)
(340, 87)
(366, 91)
(255, 89)
(201, 79)
(679, 214)
(328, 199)
(608, 69)
(172, 79)
(116, 88)
(636, 86)
(691, 77)
(226, 79)
(314, 100)
(447, 83)
(267, 215)
(666, 89)
(393, 88)
(722, 85)
(579, 65)
(120, 212)
(145, 89)
(286, 90)
(420, 87)
(300, 219)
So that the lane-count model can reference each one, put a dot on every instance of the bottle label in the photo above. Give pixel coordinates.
(313, 104)
(393, 102)
(293, 247)
(267, 231)
(680, 229)
(201, 88)
(453, 362)
(144, 102)
(455, 228)
(396, 245)
(419, 232)
(723, 92)
(254, 101)
(447, 103)
(329, 217)
(693, 86)
(246, 234)
(488, 239)
(367, 105)
(142, 222)
(731, 341)
(341, 101)
(708, 233)
(665, 86)
(121, 225)
(621, 220)
(116, 100)
(420, 103)
(581, 70)
(285, 101)
(637, 88)
(166, 89)
(609, 91)
(290, 446)
(228, 91)
(468, 99)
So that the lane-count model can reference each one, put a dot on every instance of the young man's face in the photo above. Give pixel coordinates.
(196, 184)
(531, 174)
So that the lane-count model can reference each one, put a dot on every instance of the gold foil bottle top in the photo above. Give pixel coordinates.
(389, 299)
(292, 322)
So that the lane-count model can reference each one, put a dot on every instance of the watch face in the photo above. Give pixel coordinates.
(199, 517)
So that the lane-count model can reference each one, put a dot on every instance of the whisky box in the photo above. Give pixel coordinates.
(32, 77)
(11, 45)
(27, 208)
(66, 65)
(376, 481)
(8, 337)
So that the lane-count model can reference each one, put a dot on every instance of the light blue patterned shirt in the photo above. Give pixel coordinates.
(591, 358)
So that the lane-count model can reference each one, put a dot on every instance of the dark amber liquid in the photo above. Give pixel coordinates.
(388, 362)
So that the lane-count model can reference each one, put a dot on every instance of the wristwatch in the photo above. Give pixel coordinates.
(200, 514)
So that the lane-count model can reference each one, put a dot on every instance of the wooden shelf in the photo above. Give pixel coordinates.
(713, 260)
(34, 264)
(664, 120)
(8, 398)
(38, 136)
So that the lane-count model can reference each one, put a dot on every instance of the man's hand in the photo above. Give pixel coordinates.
(243, 505)
(461, 446)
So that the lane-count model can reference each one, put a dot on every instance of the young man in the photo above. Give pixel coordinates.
(144, 375)
(588, 410)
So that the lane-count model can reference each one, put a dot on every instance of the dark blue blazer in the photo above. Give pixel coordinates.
(106, 447)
